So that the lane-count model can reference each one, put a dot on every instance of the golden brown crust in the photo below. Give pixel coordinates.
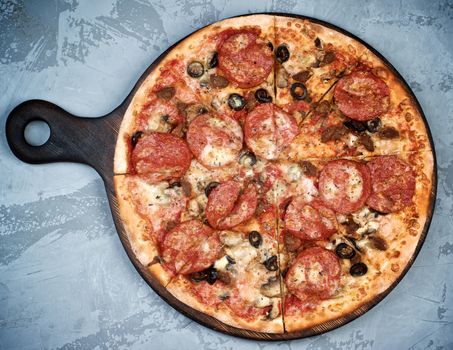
(180, 288)
(137, 230)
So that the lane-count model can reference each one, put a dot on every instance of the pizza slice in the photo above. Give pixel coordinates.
(242, 287)
(349, 240)
(367, 112)
(310, 58)
(232, 64)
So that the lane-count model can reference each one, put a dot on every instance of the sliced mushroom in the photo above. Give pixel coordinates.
(388, 132)
(367, 142)
(309, 169)
(282, 77)
(271, 289)
(186, 188)
(166, 93)
(333, 133)
(302, 76)
(217, 81)
(378, 242)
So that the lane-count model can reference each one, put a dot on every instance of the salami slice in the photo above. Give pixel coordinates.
(315, 272)
(268, 130)
(344, 185)
(245, 59)
(393, 184)
(229, 204)
(210, 294)
(294, 306)
(362, 96)
(310, 220)
(160, 156)
(215, 141)
(190, 247)
(242, 308)
(202, 255)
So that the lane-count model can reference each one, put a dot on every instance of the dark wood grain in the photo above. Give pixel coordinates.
(92, 141)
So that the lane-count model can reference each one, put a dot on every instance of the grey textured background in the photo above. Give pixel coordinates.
(65, 281)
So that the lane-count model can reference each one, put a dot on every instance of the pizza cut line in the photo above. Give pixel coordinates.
(273, 173)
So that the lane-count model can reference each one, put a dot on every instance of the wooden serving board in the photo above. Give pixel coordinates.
(92, 141)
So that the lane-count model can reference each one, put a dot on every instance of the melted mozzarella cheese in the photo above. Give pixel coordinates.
(217, 156)
(355, 187)
(154, 193)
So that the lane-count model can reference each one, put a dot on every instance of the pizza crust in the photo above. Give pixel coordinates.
(137, 230)
(180, 288)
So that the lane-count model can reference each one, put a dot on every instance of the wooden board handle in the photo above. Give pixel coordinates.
(72, 139)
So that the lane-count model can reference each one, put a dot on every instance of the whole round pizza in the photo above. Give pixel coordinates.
(273, 173)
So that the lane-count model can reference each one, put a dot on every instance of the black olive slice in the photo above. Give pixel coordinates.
(298, 91)
(345, 251)
(236, 102)
(198, 276)
(282, 53)
(247, 158)
(358, 269)
(211, 275)
(263, 96)
(210, 187)
(255, 239)
(135, 137)
(195, 69)
(355, 125)
(271, 264)
(373, 125)
(214, 60)
(318, 43)
(270, 45)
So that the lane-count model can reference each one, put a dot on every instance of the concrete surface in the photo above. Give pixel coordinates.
(65, 281)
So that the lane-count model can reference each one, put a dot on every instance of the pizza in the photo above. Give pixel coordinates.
(274, 173)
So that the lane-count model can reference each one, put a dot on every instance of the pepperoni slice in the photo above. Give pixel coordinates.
(268, 130)
(310, 220)
(393, 184)
(294, 306)
(241, 308)
(161, 156)
(315, 272)
(362, 96)
(215, 141)
(202, 255)
(190, 247)
(345, 185)
(210, 294)
(159, 115)
(229, 205)
(245, 59)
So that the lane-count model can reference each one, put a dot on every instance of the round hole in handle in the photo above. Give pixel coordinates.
(37, 133)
